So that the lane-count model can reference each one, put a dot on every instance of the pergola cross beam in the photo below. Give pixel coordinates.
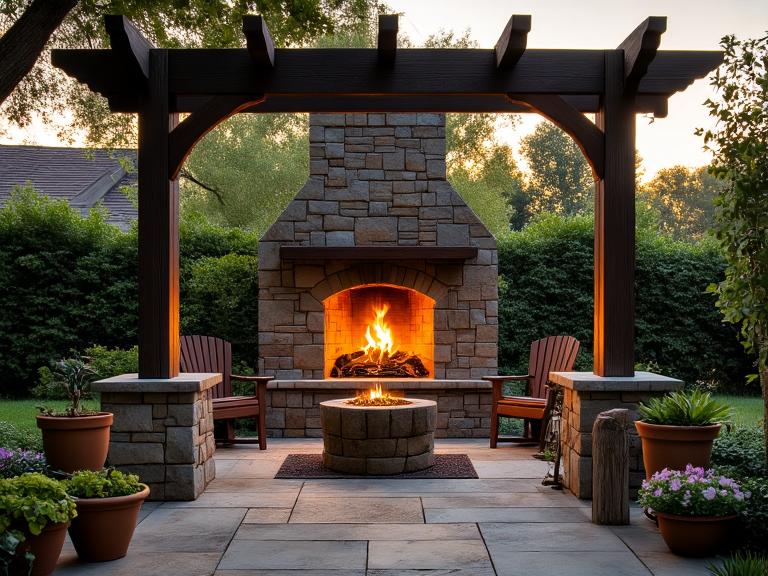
(213, 84)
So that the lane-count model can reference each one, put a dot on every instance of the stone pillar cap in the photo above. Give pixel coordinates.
(131, 383)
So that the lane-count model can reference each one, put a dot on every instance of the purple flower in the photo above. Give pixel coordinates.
(709, 493)
(658, 492)
(675, 485)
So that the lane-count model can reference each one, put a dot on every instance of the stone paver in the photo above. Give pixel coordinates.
(248, 524)
(420, 555)
(357, 510)
(294, 554)
(511, 563)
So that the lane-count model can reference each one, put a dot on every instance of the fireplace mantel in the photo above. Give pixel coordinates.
(444, 253)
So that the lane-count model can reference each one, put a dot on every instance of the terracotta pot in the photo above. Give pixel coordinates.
(76, 443)
(675, 446)
(104, 526)
(46, 547)
(696, 536)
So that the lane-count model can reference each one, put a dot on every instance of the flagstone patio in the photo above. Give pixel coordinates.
(505, 523)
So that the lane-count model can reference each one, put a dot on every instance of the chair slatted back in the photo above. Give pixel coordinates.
(550, 354)
(208, 354)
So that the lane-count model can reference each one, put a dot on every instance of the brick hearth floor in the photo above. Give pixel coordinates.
(504, 523)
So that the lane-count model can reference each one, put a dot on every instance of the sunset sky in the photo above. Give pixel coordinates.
(691, 25)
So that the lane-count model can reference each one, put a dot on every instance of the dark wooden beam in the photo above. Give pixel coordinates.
(512, 42)
(259, 41)
(199, 123)
(387, 40)
(128, 44)
(158, 231)
(355, 72)
(453, 253)
(615, 229)
(410, 103)
(640, 49)
(587, 136)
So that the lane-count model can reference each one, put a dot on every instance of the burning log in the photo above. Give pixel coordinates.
(362, 365)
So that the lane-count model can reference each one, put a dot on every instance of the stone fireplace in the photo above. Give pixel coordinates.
(378, 271)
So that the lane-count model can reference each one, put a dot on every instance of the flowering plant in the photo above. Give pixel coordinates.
(692, 492)
(18, 462)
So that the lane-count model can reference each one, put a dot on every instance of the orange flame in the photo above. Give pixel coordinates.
(379, 341)
(375, 392)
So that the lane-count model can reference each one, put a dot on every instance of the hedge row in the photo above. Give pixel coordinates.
(68, 282)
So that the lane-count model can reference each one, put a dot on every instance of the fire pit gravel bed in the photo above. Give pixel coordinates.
(378, 440)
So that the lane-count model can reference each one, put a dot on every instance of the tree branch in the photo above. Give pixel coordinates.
(22, 44)
(185, 174)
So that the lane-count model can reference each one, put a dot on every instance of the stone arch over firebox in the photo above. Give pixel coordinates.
(381, 273)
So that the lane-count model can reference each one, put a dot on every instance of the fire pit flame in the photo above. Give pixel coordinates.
(377, 397)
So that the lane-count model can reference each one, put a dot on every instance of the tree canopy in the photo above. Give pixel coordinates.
(739, 145)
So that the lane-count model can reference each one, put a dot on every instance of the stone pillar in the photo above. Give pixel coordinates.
(585, 396)
(162, 431)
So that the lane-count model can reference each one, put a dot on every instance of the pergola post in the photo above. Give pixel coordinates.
(615, 228)
(158, 230)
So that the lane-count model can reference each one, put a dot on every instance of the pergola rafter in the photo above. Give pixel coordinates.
(213, 84)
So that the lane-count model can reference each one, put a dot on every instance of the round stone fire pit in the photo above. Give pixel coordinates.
(378, 440)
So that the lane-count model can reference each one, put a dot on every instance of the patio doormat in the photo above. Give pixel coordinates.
(301, 466)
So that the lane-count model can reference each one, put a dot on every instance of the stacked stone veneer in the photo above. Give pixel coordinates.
(162, 431)
(463, 407)
(585, 396)
(377, 180)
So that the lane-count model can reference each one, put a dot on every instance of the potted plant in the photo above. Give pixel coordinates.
(17, 462)
(679, 429)
(108, 503)
(34, 514)
(696, 509)
(75, 439)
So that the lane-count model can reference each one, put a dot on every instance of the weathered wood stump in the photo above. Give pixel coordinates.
(610, 468)
(378, 440)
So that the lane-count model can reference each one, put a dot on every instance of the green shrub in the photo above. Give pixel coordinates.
(546, 287)
(29, 502)
(741, 565)
(693, 408)
(741, 450)
(13, 438)
(221, 299)
(106, 362)
(105, 483)
(754, 519)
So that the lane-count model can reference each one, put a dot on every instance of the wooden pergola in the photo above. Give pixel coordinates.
(212, 84)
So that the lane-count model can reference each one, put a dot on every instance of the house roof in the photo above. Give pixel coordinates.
(82, 177)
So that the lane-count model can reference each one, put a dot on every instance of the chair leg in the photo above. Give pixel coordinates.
(494, 426)
(230, 431)
(262, 426)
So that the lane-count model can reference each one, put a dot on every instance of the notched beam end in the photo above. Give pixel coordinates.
(128, 43)
(513, 41)
(259, 40)
(387, 39)
(640, 49)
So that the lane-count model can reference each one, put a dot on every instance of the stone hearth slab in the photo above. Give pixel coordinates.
(294, 555)
(310, 510)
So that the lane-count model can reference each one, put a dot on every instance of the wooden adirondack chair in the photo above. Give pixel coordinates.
(550, 354)
(211, 354)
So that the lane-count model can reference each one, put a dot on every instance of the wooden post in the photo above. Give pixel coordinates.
(610, 468)
(615, 228)
(158, 231)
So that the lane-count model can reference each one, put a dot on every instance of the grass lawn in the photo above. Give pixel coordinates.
(747, 410)
(21, 413)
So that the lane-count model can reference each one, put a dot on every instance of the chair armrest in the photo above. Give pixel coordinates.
(251, 378)
(259, 385)
(497, 381)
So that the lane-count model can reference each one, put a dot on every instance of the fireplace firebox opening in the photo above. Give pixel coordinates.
(379, 331)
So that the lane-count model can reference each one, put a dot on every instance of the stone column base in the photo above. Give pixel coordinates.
(162, 431)
(585, 396)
